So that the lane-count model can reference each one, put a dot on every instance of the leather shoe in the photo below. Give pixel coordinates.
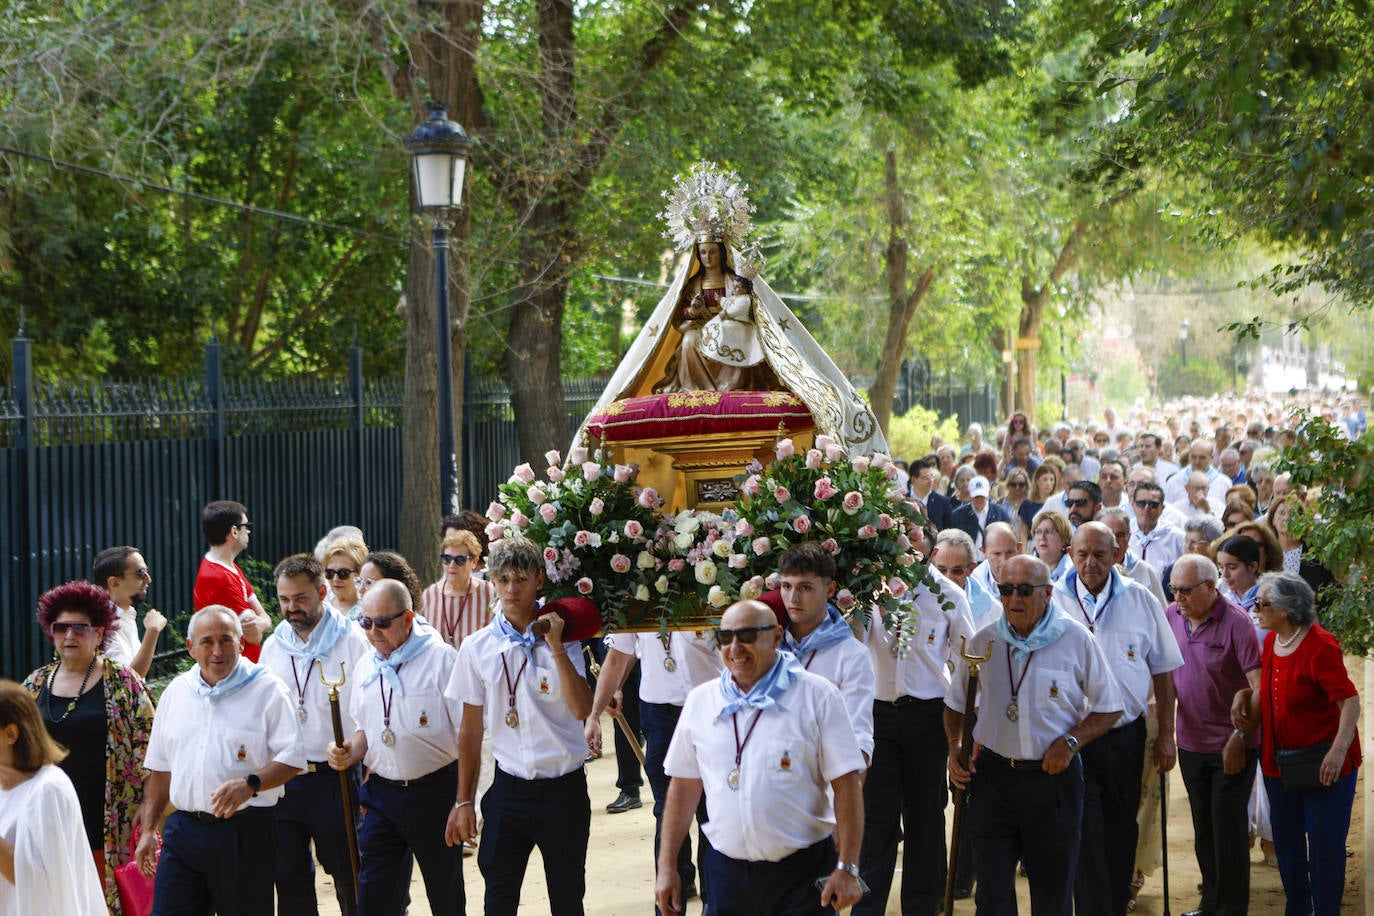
(689, 892)
(627, 801)
(1193, 913)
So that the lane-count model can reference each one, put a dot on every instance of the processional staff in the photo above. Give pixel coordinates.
(965, 753)
(350, 796)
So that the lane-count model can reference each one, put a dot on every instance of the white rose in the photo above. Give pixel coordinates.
(683, 540)
(642, 593)
(716, 597)
(721, 549)
(645, 560)
(662, 585)
(706, 572)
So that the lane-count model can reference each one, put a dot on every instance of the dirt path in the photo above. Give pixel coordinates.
(620, 871)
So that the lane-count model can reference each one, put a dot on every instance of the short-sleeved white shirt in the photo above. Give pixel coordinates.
(205, 742)
(302, 680)
(921, 671)
(1160, 547)
(784, 801)
(424, 719)
(848, 666)
(695, 661)
(546, 741)
(1134, 634)
(1066, 680)
(124, 641)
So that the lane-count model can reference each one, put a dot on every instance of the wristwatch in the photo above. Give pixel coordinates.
(254, 782)
(847, 867)
(1072, 742)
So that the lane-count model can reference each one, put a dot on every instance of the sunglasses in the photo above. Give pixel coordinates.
(381, 623)
(746, 635)
(246, 526)
(1148, 504)
(138, 574)
(947, 570)
(1183, 591)
(1075, 502)
(1024, 589)
(1017, 484)
(80, 629)
(340, 573)
(449, 559)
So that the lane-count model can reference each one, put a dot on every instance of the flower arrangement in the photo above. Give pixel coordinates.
(852, 506)
(697, 565)
(593, 522)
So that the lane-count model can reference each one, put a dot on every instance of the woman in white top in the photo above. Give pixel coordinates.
(45, 861)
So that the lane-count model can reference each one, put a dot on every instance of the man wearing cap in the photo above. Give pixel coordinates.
(407, 738)
(1045, 692)
(531, 694)
(311, 640)
(767, 743)
(224, 742)
(974, 516)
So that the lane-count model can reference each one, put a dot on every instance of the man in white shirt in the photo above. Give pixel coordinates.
(1149, 444)
(1000, 544)
(1152, 540)
(905, 791)
(1168, 516)
(224, 742)
(1130, 626)
(1111, 480)
(954, 558)
(1199, 462)
(1045, 692)
(1072, 474)
(1127, 563)
(313, 639)
(767, 742)
(671, 665)
(532, 695)
(407, 737)
(123, 573)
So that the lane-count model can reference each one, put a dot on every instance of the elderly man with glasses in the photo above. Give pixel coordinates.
(767, 743)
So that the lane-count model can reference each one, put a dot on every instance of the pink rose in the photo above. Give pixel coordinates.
(881, 461)
(824, 442)
(620, 563)
(801, 524)
(577, 455)
(773, 581)
(622, 473)
(831, 546)
(494, 531)
(519, 519)
(596, 506)
(761, 546)
(903, 542)
(537, 494)
(867, 532)
(524, 473)
(738, 561)
(895, 494)
(648, 498)
(813, 459)
(853, 502)
(884, 522)
(825, 489)
(496, 512)
(581, 538)
(860, 464)
(844, 599)
(752, 486)
(786, 449)
(676, 564)
(555, 474)
(552, 457)
(584, 586)
(897, 586)
(781, 494)
(548, 512)
(633, 529)
(834, 452)
(743, 529)
(550, 555)
(591, 471)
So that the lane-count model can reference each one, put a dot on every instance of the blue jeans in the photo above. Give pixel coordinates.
(1310, 829)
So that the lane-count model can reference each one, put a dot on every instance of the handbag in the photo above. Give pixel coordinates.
(1301, 767)
(135, 888)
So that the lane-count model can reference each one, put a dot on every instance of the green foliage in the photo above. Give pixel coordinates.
(909, 435)
(1198, 378)
(1339, 525)
(1124, 381)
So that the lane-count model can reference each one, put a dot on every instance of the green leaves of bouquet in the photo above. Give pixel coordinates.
(593, 522)
(852, 506)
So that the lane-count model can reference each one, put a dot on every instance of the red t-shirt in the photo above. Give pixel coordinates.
(1298, 697)
(219, 584)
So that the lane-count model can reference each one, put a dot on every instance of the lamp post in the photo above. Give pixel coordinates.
(1183, 339)
(439, 156)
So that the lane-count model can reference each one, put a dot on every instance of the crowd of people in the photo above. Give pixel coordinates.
(1130, 589)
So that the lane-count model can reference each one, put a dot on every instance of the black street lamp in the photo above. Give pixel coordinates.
(439, 155)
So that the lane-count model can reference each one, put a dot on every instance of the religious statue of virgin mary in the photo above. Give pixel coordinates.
(721, 328)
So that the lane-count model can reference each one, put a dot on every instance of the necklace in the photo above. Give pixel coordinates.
(72, 705)
(669, 663)
(1013, 710)
(732, 779)
(1285, 643)
(512, 717)
(302, 688)
(388, 736)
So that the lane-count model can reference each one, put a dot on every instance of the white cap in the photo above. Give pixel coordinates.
(978, 486)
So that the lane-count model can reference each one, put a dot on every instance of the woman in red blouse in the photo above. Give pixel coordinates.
(1306, 698)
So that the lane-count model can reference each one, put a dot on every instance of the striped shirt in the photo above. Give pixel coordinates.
(457, 617)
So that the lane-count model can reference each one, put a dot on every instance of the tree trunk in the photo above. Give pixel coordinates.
(902, 304)
(1033, 302)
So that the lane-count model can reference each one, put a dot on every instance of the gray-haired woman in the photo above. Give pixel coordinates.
(1306, 702)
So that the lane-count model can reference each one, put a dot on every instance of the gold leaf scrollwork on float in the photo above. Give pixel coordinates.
(693, 398)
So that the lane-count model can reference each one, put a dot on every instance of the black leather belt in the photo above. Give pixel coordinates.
(440, 773)
(1014, 763)
(318, 766)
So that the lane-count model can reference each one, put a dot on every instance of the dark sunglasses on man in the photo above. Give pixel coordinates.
(746, 635)
(1024, 589)
(381, 623)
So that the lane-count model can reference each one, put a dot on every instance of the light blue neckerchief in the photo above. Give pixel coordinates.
(1050, 628)
(785, 671)
(386, 667)
(1062, 567)
(1247, 600)
(331, 627)
(526, 640)
(244, 673)
(832, 631)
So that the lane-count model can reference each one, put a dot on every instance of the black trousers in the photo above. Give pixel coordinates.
(628, 778)
(520, 814)
(905, 793)
(783, 888)
(1112, 769)
(211, 864)
(1025, 814)
(1221, 829)
(397, 820)
(312, 810)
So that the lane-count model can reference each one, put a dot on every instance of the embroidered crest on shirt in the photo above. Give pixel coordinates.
(1130, 652)
(242, 755)
(424, 719)
(1054, 690)
(786, 762)
(543, 683)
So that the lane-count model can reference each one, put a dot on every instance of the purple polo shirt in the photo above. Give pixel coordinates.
(1216, 657)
